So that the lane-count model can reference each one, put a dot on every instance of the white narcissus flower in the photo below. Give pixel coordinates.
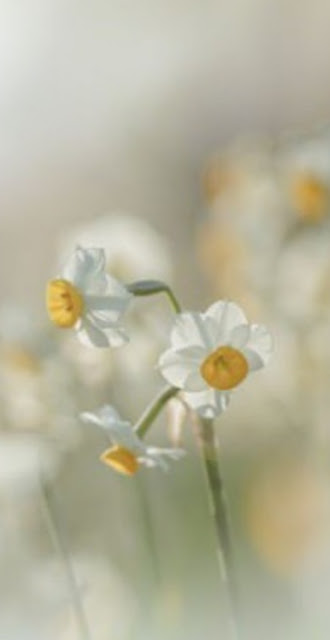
(128, 451)
(211, 353)
(86, 298)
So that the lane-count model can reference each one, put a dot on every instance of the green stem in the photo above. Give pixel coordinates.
(152, 411)
(143, 288)
(60, 545)
(220, 517)
(149, 534)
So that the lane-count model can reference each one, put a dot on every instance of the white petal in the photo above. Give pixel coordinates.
(128, 439)
(94, 332)
(260, 342)
(148, 462)
(86, 269)
(255, 362)
(104, 416)
(222, 317)
(190, 330)
(92, 336)
(109, 414)
(240, 336)
(195, 382)
(154, 458)
(208, 404)
(104, 313)
(181, 368)
(103, 319)
(108, 324)
(119, 431)
(93, 418)
(122, 433)
(106, 304)
(116, 289)
(160, 457)
(172, 453)
(105, 322)
(116, 335)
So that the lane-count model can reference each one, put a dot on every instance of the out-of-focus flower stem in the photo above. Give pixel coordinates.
(152, 287)
(154, 408)
(63, 552)
(219, 514)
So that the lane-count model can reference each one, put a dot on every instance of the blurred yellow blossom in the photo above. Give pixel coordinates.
(287, 512)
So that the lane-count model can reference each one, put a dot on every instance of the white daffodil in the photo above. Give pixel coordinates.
(86, 298)
(211, 353)
(128, 451)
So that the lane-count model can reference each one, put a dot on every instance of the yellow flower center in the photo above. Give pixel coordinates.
(310, 197)
(225, 368)
(120, 459)
(64, 303)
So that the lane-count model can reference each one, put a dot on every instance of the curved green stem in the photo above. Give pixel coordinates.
(152, 287)
(152, 411)
(220, 517)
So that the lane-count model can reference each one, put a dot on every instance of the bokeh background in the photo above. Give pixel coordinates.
(191, 139)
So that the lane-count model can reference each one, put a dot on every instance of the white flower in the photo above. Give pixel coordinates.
(211, 353)
(86, 298)
(127, 450)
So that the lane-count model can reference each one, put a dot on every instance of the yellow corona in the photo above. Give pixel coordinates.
(64, 303)
(120, 459)
(225, 368)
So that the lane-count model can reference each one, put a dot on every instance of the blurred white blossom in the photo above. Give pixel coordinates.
(304, 167)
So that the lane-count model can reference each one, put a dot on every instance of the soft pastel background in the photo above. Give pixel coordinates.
(116, 108)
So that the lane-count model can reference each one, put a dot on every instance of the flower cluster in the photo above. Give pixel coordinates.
(210, 353)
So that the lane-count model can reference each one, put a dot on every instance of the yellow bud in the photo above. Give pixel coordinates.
(64, 303)
(120, 459)
(225, 368)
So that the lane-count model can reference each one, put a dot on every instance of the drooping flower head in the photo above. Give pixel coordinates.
(127, 451)
(211, 353)
(86, 298)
